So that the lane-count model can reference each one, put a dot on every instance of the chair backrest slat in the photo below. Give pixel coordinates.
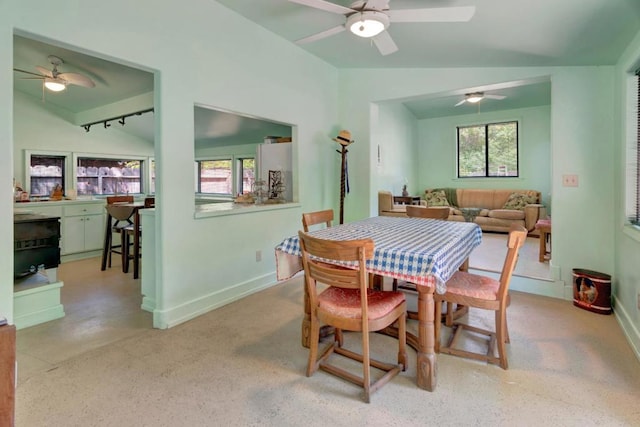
(119, 199)
(517, 237)
(318, 217)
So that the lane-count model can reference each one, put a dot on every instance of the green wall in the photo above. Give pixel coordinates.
(395, 135)
(437, 151)
(205, 261)
(627, 238)
(200, 263)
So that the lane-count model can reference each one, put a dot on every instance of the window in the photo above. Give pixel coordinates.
(45, 173)
(108, 176)
(214, 176)
(152, 176)
(489, 150)
(634, 155)
(225, 176)
(246, 175)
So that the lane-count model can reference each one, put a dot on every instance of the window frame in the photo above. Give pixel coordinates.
(143, 169)
(487, 159)
(632, 194)
(238, 173)
(198, 181)
(67, 177)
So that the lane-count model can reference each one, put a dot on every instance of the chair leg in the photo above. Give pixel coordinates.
(124, 250)
(339, 337)
(500, 338)
(402, 341)
(366, 366)
(314, 336)
(449, 315)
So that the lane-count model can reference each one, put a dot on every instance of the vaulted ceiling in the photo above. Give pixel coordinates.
(500, 33)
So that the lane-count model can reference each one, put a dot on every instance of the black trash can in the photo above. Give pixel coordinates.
(592, 290)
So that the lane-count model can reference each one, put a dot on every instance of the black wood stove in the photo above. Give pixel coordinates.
(36, 243)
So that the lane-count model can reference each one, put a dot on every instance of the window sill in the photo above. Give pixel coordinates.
(230, 208)
(633, 231)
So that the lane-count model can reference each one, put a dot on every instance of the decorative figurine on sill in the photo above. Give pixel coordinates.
(56, 193)
(405, 193)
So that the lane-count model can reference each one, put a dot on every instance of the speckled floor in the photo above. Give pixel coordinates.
(103, 365)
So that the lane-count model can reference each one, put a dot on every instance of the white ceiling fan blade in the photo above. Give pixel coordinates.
(325, 5)
(29, 72)
(77, 79)
(440, 14)
(460, 103)
(495, 96)
(44, 71)
(385, 43)
(322, 35)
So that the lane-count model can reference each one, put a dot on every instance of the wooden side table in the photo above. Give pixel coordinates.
(544, 226)
(406, 200)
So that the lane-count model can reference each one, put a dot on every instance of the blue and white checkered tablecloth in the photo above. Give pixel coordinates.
(422, 251)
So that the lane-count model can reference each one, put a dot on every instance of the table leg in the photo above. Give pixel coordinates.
(426, 361)
(543, 246)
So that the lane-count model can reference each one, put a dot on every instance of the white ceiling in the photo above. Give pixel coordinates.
(502, 33)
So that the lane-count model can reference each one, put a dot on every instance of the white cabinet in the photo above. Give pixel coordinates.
(82, 222)
(83, 228)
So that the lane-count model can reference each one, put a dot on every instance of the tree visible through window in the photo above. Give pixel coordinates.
(489, 150)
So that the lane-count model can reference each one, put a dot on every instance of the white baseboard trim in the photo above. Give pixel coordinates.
(164, 319)
(628, 328)
(544, 287)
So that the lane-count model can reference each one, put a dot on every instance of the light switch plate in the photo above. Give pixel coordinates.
(569, 180)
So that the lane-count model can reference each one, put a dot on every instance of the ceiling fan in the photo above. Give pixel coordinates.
(475, 97)
(56, 81)
(372, 18)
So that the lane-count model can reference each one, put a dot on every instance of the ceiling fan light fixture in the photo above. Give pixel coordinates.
(474, 97)
(55, 85)
(367, 24)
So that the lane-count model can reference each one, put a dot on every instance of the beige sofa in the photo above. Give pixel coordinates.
(487, 207)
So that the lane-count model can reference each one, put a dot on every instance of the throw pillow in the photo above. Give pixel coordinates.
(436, 198)
(517, 201)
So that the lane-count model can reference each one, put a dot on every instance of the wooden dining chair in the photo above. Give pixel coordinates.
(118, 218)
(436, 212)
(482, 292)
(319, 217)
(349, 304)
(413, 211)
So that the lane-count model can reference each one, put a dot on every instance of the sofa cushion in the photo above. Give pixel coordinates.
(506, 214)
(518, 201)
(436, 198)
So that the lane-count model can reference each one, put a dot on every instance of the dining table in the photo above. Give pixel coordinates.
(425, 252)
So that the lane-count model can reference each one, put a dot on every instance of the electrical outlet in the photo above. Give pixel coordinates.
(569, 180)
(258, 256)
